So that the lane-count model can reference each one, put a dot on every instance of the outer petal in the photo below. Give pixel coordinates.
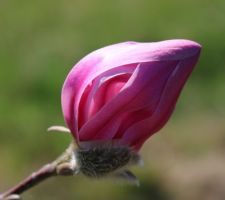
(137, 134)
(113, 56)
(143, 88)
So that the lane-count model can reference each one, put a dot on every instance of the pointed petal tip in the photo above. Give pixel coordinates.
(187, 44)
(183, 48)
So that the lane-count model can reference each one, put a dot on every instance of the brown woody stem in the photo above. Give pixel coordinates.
(45, 172)
(61, 166)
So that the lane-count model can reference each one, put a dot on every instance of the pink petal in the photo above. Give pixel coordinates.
(105, 59)
(103, 88)
(137, 134)
(139, 91)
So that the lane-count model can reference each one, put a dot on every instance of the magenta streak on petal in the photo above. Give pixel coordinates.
(105, 92)
(129, 99)
(139, 132)
(108, 91)
(89, 108)
(144, 103)
(131, 118)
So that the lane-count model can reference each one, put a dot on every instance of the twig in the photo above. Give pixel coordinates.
(64, 165)
(45, 172)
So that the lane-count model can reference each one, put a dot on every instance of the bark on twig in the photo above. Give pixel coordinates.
(61, 166)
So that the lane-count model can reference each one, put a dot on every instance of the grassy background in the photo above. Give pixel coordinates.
(39, 43)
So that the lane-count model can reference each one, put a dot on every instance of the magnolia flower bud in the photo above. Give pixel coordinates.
(126, 92)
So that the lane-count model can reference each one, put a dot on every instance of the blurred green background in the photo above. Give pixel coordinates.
(39, 43)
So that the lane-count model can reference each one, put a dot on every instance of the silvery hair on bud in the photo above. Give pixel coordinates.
(99, 161)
